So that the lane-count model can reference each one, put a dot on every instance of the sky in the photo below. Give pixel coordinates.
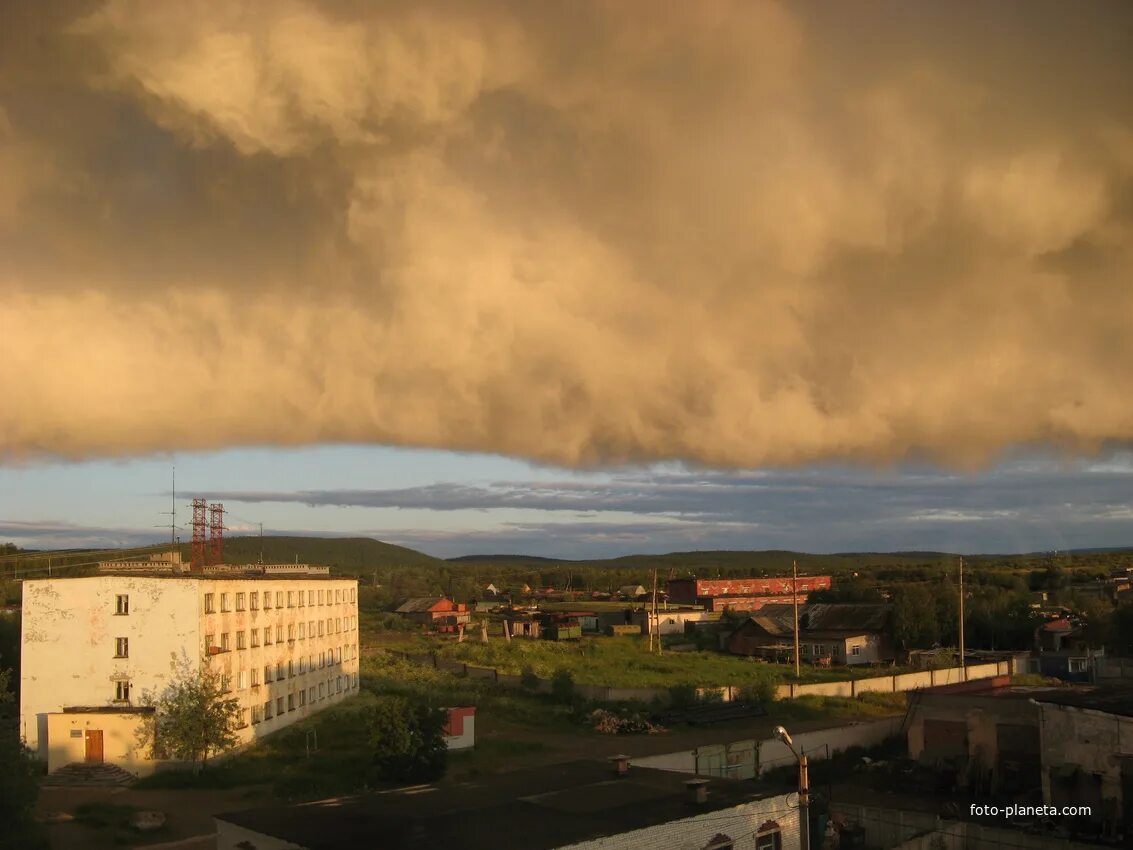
(573, 279)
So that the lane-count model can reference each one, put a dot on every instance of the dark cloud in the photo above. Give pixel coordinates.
(737, 232)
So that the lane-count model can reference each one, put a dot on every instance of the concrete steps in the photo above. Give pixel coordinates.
(79, 775)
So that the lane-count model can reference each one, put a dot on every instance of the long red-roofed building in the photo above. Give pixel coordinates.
(742, 594)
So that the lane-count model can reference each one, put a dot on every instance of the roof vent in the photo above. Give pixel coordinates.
(697, 791)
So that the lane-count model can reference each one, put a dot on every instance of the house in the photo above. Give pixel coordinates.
(743, 594)
(94, 646)
(671, 621)
(434, 611)
(1087, 752)
(1062, 651)
(828, 633)
(492, 589)
(522, 625)
(631, 591)
(585, 805)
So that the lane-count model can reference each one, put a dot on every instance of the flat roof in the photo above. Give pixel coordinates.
(549, 807)
(1110, 699)
(199, 576)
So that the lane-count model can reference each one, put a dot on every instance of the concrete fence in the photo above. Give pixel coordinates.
(845, 688)
(748, 759)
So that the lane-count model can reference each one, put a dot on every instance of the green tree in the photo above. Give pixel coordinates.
(19, 778)
(407, 740)
(193, 717)
(915, 623)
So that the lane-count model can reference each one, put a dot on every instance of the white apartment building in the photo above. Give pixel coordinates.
(286, 645)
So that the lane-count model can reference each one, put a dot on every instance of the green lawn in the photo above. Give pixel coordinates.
(621, 661)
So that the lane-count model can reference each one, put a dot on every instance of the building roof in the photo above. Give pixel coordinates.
(418, 604)
(1111, 700)
(819, 620)
(550, 806)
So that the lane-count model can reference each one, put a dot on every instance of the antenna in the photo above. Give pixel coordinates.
(198, 557)
(216, 533)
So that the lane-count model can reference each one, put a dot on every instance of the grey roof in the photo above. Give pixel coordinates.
(778, 619)
(417, 604)
(549, 806)
(1111, 700)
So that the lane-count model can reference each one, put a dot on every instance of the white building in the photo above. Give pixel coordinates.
(287, 646)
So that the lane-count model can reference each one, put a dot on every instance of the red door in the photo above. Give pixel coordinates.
(94, 746)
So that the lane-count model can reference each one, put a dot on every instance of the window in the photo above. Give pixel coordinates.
(855, 650)
(267, 674)
(257, 714)
(121, 647)
(291, 599)
(224, 647)
(322, 660)
(1077, 665)
(302, 698)
(279, 705)
(320, 628)
(302, 597)
(225, 683)
(267, 710)
(279, 670)
(122, 690)
(312, 693)
(291, 702)
(719, 842)
(338, 684)
(122, 604)
(338, 625)
(302, 631)
(279, 599)
(255, 633)
(279, 634)
(209, 603)
(352, 592)
(209, 643)
(241, 640)
(320, 597)
(243, 717)
(239, 601)
(267, 600)
(254, 675)
(241, 680)
(321, 690)
(337, 597)
(267, 635)
(291, 631)
(311, 628)
(224, 602)
(255, 600)
(290, 669)
(769, 837)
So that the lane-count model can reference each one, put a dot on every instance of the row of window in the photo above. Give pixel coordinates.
(313, 694)
(288, 599)
(282, 599)
(122, 686)
(295, 631)
(306, 664)
(821, 650)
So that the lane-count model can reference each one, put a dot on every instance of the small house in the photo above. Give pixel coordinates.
(631, 591)
(828, 634)
(434, 611)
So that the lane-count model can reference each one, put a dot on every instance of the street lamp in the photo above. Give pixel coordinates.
(804, 788)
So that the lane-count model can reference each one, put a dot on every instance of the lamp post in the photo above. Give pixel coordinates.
(804, 789)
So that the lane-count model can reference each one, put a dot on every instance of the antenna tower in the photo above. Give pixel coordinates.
(216, 533)
(198, 555)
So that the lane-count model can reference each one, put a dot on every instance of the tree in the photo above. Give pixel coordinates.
(193, 718)
(408, 740)
(19, 783)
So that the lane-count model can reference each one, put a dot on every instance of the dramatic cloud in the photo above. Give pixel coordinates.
(606, 231)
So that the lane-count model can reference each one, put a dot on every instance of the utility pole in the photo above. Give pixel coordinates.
(795, 600)
(653, 617)
(963, 664)
(261, 542)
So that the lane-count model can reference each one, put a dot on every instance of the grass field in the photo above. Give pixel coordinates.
(622, 661)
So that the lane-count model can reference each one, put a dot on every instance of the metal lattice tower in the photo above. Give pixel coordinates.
(216, 533)
(198, 554)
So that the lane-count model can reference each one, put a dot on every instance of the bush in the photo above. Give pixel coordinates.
(682, 695)
(407, 739)
(528, 679)
(562, 685)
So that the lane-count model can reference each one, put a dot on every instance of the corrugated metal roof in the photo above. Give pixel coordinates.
(418, 604)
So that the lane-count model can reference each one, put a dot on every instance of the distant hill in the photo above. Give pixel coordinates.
(505, 559)
(341, 554)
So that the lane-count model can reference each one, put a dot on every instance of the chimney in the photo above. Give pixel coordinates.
(697, 791)
(621, 765)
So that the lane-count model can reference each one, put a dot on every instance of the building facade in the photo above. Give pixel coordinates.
(94, 648)
(743, 594)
